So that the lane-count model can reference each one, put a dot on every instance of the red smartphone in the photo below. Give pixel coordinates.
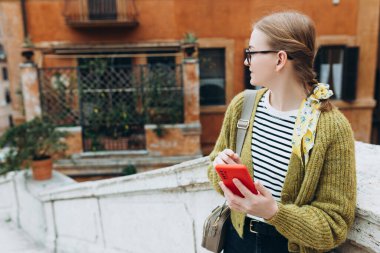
(227, 172)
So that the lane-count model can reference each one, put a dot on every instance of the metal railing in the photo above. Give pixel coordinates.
(100, 12)
(112, 103)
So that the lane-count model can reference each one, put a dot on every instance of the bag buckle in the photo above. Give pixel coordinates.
(243, 124)
(251, 228)
(216, 222)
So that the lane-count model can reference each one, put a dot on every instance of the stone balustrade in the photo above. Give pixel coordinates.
(156, 211)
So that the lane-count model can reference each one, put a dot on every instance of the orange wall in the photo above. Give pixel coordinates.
(168, 20)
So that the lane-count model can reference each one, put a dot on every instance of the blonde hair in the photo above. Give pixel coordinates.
(294, 33)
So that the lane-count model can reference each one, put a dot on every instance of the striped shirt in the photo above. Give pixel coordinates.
(271, 145)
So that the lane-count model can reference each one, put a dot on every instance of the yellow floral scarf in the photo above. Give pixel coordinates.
(306, 122)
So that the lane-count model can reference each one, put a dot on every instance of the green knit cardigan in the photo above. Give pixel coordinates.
(317, 206)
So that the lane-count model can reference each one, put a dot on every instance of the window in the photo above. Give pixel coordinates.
(2, 53)
(337, 66)
(10, 119)
(5, 73)
(106, 72)
(212, 76)
(166, 60)
(8, 99)
(102, 9)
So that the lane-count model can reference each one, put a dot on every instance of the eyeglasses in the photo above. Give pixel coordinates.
(249, 53)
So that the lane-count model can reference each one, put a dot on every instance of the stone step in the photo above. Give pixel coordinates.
(111, 154)
(113, 164)
(14, 240)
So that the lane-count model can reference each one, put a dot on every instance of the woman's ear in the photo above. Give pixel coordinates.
(281, 60)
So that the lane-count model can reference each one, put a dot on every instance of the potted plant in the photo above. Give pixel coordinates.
(34, 142)
(189, 44)
(9, 160)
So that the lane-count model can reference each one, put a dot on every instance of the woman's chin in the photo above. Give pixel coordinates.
(252, 82)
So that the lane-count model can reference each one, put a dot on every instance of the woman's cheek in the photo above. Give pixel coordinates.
(256, 77)
(263, 76)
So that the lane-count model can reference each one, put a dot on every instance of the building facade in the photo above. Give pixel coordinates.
(77, 33)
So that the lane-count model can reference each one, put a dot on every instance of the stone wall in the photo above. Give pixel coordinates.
(157, 211)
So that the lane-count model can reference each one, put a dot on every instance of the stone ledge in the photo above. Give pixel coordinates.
(176, 177)
(183, 187)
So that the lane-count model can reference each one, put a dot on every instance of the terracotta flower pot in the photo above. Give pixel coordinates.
(42, 169)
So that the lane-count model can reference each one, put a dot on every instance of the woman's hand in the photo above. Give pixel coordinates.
(227, 156)
(261, 205)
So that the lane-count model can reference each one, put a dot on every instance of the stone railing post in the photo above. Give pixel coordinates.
(30, 90)
(191, 90)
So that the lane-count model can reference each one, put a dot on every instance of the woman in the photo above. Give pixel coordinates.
(299, 149)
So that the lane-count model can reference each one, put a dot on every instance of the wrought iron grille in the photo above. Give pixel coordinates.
(102, 9)
(59, 94)
(112, 103)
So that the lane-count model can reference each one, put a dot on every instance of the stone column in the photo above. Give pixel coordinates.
(191, 90)
(30, 90)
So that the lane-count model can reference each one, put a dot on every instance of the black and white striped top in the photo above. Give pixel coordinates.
(271, 144)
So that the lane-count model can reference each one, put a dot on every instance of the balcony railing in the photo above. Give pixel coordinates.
(100, 13)
(112, 103)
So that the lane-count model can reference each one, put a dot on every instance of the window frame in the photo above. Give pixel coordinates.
(229, 49)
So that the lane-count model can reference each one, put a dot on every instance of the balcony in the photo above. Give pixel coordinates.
(100, 13)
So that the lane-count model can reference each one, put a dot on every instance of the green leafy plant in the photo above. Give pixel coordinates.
(189, 37)
(10, 161)
(163, 97)
(37, 139)
(130, 169)
(63, 88)
(159, 130)
(110, 108)
(189, 44)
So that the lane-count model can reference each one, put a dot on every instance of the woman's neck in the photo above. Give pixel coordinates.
(287, 97)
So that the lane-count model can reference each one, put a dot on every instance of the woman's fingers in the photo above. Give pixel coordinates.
(229, 152)
(233, 201)
(227, 156)
(227, 159)
(236, 158)
(230, 157)
(261, 188)
(244, 190)
(217, 161)
(227, 192)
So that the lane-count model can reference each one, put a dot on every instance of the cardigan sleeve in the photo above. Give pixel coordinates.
(324, 224)
(224, 139)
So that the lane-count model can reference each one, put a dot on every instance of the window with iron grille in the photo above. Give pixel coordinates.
(102, 9)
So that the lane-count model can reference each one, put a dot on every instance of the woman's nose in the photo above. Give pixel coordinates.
(246, 62)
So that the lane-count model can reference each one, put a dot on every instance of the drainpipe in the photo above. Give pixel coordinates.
(26, 52)
(25, 28)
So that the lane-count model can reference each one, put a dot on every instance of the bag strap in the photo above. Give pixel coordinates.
(242, 126)
(243, 123)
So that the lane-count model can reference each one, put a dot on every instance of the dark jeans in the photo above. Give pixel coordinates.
(253, 243)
